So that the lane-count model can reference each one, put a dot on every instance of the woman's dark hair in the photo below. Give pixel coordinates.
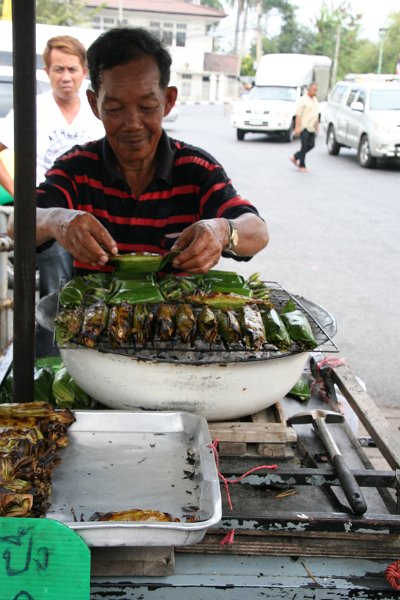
(121, 45)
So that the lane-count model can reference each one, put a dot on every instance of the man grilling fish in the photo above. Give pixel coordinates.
(136, 189)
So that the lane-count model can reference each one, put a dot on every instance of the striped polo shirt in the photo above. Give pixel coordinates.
(188, 185)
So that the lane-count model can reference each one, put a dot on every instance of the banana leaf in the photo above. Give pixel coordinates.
(298, 327)
(221, 300)
(225, 276)
(67, 393)
(228, 326)
(275, 330)
(97, 280)
(135, 292)
(72, 294)
(141, 262)
(42, 385)
(301, 390)
(15, 505)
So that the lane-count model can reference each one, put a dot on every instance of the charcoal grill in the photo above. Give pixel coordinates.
(208, 380)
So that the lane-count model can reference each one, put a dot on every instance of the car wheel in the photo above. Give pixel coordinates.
(288, 135)
(240, 134)
(332, 144)
(364, 154)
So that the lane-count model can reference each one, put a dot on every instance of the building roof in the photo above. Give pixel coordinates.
(178, 7)
(221, 63)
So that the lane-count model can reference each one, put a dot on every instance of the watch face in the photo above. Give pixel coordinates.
(234, 237)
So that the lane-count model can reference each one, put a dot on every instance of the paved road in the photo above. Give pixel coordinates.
(334, 236)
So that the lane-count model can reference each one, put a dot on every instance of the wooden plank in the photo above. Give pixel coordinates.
(124, 562)
(232, 448)
(329, 545)
(369, 414)
(236, 431)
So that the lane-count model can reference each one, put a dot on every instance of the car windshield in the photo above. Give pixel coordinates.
(385, 99)
(272, 92)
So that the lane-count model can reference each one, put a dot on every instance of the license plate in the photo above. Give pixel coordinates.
(256, 122)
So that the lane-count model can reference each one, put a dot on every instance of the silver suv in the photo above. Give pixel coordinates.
(364, 115)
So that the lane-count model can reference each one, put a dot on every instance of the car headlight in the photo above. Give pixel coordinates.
(383, 128)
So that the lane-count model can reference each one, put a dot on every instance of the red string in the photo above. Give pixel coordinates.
(393, 575)
(228, 539)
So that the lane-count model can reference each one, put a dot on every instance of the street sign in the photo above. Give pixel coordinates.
(41, 558)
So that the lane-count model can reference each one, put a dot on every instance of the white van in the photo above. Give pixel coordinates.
(270, 107)
(364, 114)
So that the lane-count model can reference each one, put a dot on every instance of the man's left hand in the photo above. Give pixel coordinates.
(201, 245)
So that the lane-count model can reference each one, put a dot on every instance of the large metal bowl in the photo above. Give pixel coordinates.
(217, 391)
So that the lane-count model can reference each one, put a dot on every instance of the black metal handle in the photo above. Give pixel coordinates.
(350, 486)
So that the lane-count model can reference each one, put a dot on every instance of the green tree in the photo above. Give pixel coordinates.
(247, 66)
(391, 44)
(213, 4)
(64, 12)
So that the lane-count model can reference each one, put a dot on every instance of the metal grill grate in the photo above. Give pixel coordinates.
(322, 323)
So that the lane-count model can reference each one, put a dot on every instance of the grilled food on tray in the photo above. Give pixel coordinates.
(135, 514)
(30, 437)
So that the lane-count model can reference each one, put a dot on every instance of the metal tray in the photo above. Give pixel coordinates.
(120, 460)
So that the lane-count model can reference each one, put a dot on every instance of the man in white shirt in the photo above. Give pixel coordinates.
(64, 118)
(306, 126)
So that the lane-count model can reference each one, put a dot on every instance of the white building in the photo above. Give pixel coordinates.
(200, 74)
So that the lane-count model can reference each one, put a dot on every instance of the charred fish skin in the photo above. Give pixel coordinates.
(94, 323)
(143, 324)
(119, 327)
(207, 325)
(253, 327)
(166, 321)
(68, 325)
(185, 323)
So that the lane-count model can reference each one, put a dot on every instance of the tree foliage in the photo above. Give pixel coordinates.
(334, 32)
(64, 12)
(213, 4)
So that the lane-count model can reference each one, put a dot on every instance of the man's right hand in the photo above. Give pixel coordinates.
(79, 232)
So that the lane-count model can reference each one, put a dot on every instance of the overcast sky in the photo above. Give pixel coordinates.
(375, 13)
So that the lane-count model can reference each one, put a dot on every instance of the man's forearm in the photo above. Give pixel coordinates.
(47, 221)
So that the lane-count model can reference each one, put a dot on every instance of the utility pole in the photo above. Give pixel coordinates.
(337, 51)
(120, 12)
(382, 32)
(259, 33)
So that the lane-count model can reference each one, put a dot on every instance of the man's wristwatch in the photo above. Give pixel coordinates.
(233, 237)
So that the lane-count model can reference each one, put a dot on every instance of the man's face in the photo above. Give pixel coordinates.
(65, 73)
(131, 105)
(312, 91)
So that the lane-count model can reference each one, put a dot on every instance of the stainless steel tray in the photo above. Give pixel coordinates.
(121, 460)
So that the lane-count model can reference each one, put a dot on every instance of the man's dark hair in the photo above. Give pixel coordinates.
(121, 45)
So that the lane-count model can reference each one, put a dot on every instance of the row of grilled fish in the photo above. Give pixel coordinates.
(126, 324)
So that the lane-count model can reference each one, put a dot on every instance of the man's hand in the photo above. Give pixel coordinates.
(201, 245)
(79, 232)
